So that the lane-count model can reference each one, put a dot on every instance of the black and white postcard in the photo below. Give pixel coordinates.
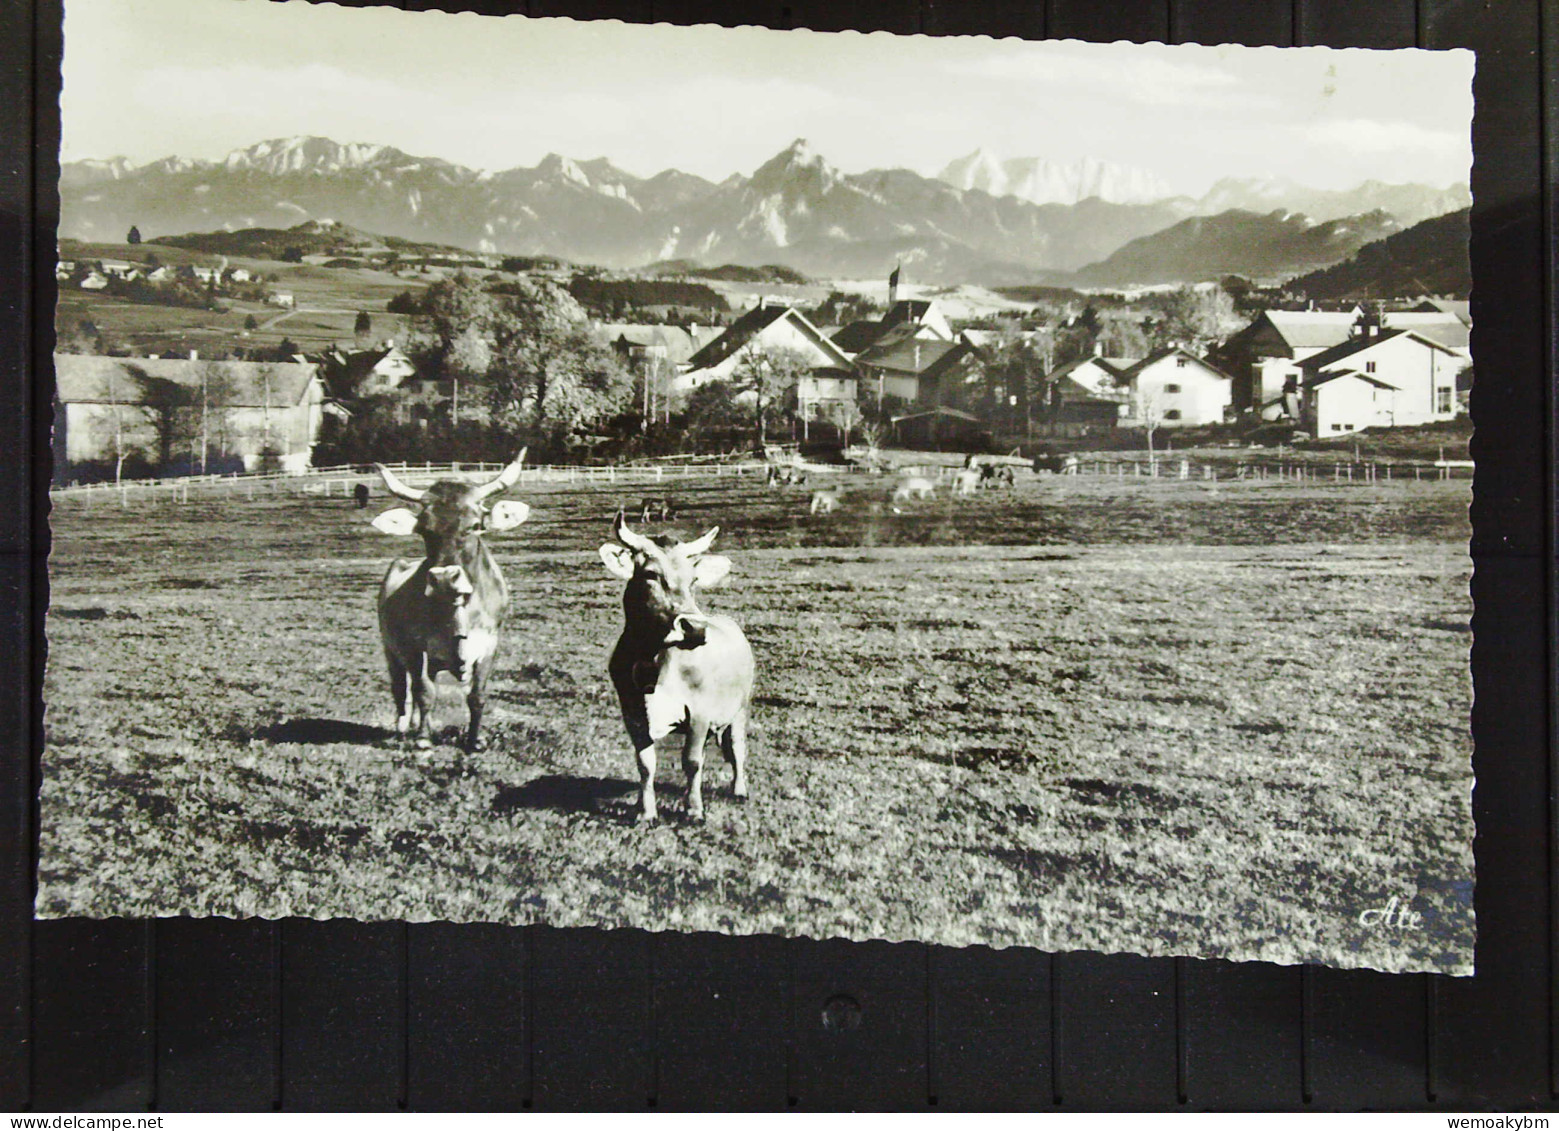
(967, 490)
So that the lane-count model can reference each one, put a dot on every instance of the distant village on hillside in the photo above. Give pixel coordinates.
(174, 358)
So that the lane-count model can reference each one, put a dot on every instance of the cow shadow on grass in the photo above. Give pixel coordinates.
(323, 732)
(612, 798)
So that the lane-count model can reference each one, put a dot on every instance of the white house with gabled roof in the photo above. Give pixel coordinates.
(1383, 379)
(1176, 389)
(1275, 346)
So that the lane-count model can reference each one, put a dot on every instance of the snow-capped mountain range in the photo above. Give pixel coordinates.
(1042, 181)
(983, 220)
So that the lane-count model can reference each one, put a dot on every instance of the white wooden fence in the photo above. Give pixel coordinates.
(328, 481)
(1361, 471)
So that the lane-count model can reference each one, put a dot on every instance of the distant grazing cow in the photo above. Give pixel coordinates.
(965, 482)
(825, 500)
(784, 476)
(675, 667)
(993, 476)
(657, 510)
(914, 487)
(443, 612)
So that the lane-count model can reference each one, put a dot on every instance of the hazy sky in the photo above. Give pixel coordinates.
(197, 78)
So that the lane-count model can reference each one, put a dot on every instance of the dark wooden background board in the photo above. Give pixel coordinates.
(245, 1015)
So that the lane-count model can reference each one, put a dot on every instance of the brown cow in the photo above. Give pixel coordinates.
(443, 612)
(778, 476)
(654, 509)
(675, 667)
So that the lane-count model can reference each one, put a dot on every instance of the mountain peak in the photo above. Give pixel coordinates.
(796, 168)
(555, 165)
(306, 154)
(801, 153)
(1040, 180)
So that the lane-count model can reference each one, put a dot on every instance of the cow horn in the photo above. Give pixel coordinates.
(505, 479)
(410, 494)
(700, 545)
(628, 538)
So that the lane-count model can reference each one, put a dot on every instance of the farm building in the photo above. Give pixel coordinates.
(1271, 350)
(1387, 378)
(918, 370)
(262, 413)
(764, 328)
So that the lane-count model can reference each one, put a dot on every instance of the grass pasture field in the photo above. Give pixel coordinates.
(1152, 716)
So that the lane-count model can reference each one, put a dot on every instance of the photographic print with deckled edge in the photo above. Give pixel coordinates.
(966, 490)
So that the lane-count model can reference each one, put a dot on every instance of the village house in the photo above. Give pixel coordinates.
(1174, 388)
(1095, 374)
(906, 319)
(94, 282)
(1270, 352)
(908, 367)
(260, 413)
(828, 389)
(639, 344)
(1458, 308)
(352, 374)
(1087, 395)
(1383, 378)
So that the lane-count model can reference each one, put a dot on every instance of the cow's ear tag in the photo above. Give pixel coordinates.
(507, 515)
(401, 520)
(710, 570)
(619, 561)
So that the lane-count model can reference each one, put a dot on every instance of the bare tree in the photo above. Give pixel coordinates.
(1148, 405)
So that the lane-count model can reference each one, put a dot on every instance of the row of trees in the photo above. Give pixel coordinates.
(521, 361)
